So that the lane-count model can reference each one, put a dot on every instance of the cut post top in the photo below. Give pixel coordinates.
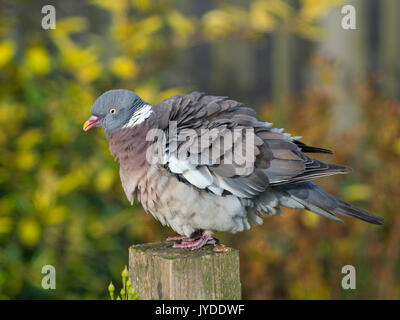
(164, 250)
(158, 271)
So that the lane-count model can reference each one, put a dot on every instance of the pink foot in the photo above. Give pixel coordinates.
(195, 235)
(196, 244)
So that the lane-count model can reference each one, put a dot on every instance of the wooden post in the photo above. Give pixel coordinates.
(157, 271)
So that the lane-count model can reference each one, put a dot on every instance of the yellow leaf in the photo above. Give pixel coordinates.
(7, 50)
(397, 146)
(124, 67)
(9, 110)
(150, 24)
(69, 25)
(89, 73)
(310, 219)
(260, 19)
(279, 8)
(26, 159)
(42, 200)
(113, 6)
(29, 231)
(5, 225)
(315, 9)
(29, 138)
(71, 181)
(57, 215)
(217, 23)
(181, 25)
(143, 4)
(104, 180)
(357, 192)
(6, 205)
(96, 229)
(83, 62)
(147, 92)
(38, 60)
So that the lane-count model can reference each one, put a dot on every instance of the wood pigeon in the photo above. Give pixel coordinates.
(201, 164)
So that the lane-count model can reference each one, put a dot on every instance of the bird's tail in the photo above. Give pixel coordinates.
(313, 198)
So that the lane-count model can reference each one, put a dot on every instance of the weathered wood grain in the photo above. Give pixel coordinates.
(158, 271)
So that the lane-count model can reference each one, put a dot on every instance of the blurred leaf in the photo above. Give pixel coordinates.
(61, 201)
(5, 225)
(124, 67)
(69, 25)
(357, 192)
(310, 219)
(7, 50)
(397, 146)
(29, 231)
(38, 60)
(105, 179)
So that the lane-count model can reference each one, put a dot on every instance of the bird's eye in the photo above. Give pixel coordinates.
(113, 110)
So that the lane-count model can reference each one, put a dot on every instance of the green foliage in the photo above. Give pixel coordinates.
(127, 292)
(61, 202)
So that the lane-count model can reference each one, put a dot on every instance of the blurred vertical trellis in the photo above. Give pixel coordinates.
(60, 197)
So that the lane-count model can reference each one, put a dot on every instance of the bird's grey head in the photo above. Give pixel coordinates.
(116, 109)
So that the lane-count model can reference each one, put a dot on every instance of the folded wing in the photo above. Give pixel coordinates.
(220, 146)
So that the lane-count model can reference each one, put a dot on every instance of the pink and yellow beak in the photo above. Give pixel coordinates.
(91, 122)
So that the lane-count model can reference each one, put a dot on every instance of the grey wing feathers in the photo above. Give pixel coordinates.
(310, 149)
(317, 200)
(277, 160)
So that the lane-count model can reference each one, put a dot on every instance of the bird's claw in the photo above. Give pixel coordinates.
(194, 244)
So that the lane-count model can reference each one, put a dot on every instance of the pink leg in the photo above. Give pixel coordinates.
(176, 238)
(197, 243)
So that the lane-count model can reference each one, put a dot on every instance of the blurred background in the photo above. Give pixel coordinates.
(61, 201)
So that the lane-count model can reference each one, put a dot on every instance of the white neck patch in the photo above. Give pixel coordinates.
(138, 117)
